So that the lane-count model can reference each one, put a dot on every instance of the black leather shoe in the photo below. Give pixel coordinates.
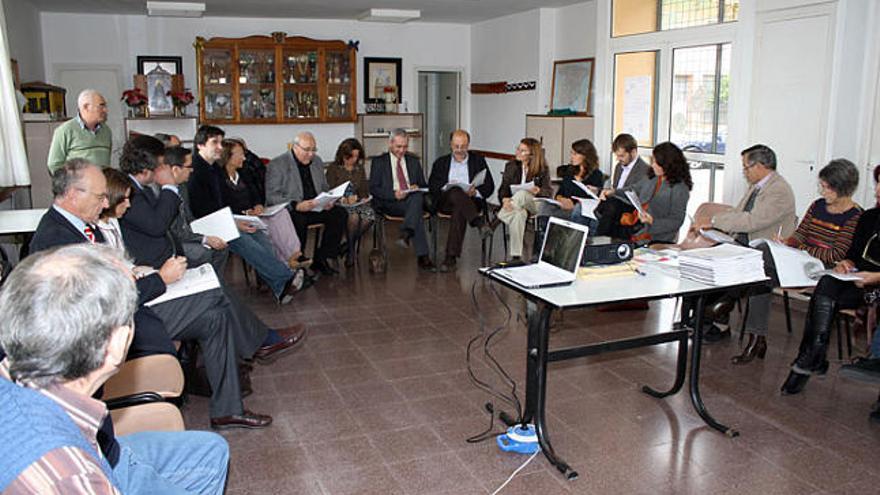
(714, 334)
(795, 383)
(721, 309)
(404, 240)
(426, 264)
(246, 419)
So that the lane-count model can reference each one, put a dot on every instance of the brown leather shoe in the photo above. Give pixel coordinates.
(247, 419)
(291, 338)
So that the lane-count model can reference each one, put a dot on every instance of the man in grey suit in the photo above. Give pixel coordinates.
(630, 167)
(395, 180)
(297, 177)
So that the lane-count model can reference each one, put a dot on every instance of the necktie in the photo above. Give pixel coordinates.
(90, 234)
(743, 238)
(401, 177)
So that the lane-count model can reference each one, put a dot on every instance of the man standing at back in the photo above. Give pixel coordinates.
(85, 136)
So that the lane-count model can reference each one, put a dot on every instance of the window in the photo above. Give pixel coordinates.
(700, 92)
(643, 16)
(635, 91)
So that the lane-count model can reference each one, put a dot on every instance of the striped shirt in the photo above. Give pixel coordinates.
(825, 235)
(67, 470)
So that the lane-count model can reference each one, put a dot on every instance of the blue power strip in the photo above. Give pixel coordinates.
(519, 439)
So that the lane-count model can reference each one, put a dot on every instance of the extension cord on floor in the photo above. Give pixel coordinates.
(519, 439)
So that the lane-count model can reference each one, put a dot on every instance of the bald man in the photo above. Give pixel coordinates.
(85, 136)
(296, 177)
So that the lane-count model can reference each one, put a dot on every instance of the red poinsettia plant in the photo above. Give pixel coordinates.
(181, 98)
(134, 97)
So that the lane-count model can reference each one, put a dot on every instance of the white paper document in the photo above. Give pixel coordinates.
(325, 199)
(795, 268)
(717, 236)
(271, 211)
(478, 181)
(585, 189)
(194, 280)
(218, 224)
(846, 277)
(252, 221)
(420, 189)
(588, 207)
(515, 188)
(724, 264)
(357, 203)
(550, 201)
(634, 199)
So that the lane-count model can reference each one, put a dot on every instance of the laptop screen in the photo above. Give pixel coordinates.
(562, 246)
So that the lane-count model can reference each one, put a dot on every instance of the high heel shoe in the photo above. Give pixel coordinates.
(756, 348)
(795, 383)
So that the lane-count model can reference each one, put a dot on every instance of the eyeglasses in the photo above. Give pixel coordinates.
(101, 196)
(307, 150)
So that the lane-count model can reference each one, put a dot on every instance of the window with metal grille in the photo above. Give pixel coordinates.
(646, 16)
(700, 82)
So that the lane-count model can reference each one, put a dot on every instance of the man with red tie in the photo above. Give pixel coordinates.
(396, 184)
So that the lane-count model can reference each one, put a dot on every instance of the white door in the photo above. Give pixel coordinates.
(790, 93)
(108, 82)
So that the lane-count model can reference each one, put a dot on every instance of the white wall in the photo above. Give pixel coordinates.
(109, 40)
(517, 48)
(23, 35)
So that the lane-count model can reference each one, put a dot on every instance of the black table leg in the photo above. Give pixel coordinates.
(680, 372)
(536, 382)
(696, 400)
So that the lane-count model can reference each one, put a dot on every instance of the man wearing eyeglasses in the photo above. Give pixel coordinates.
(296, 177)
(766, 211)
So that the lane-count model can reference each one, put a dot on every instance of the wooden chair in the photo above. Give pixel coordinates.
(485, 244)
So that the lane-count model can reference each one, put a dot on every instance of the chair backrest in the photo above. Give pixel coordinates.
(160, 373)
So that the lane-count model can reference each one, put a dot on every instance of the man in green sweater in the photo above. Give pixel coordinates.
(85, 136)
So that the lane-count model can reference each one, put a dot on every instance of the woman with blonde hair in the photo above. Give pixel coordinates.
(517, 202)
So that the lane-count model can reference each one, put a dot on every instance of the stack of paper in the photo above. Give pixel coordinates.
(724, 264)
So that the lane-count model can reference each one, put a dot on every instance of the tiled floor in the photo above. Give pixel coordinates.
(378, 402)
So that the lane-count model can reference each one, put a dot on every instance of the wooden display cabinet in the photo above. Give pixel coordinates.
(275, 80)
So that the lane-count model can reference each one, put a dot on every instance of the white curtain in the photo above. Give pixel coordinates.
(13, 159)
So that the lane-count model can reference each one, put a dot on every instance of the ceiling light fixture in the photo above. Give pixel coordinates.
(175, 9)
(390, 15)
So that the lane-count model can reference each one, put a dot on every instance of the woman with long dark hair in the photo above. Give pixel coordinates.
(349, 166)
(664, 195)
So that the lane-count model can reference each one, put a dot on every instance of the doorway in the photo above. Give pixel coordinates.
(439, 102)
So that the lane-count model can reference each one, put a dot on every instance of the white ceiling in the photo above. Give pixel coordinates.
(460, 11)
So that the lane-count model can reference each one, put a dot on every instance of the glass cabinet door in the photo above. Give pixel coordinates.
(338, 70)
(256, 84)
(300, 70)
(217, 83)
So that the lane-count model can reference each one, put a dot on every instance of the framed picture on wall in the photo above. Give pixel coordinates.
(382, 76)
(171, 65)
(573, 86)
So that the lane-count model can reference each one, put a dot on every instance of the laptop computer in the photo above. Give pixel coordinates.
(560, 258)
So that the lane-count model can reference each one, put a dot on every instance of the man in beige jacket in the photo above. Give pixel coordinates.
(766, 211)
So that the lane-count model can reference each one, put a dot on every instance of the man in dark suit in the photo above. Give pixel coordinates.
(395, 180)
(464, 204)
(630, 167)
(80, 194)
(296, 177)
(71, 221)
